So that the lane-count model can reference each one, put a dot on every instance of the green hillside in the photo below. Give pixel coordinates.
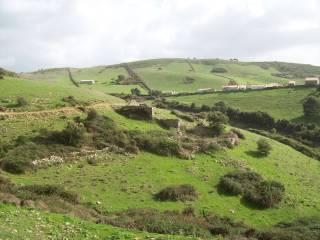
(44, 95)
(137, 178)
(181, 75)
(279, 103)
(75, 165)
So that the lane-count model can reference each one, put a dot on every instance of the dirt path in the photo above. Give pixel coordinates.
(65, 111)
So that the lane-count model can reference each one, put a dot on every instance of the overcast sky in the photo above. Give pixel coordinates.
(54, 33)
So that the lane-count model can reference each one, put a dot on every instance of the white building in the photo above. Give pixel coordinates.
(200, 90)
(311, 81)
(291, 83)
(273, 85)
(256, 87)
(230, 88)
(90, 82)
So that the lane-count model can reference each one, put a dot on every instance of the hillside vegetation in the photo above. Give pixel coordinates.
(279, 103)
(79, 163)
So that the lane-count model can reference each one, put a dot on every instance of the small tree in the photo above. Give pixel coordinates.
(311, 107)
(216, 122)
(264, 148)
(21, 101)
(135, 91)
(205, 108)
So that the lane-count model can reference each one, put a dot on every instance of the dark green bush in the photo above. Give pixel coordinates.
(184, 192)
(266, 194)
(253, 188)
(36, 191)
(21, 101)
(238, 182)
(105, 132)
(218, 70)
(264, 148)
(19, 159)
(157, 142)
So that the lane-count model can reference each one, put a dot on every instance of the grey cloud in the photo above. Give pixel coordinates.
(49, 33)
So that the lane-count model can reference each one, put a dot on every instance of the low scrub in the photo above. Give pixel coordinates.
(157, 142)
(218, 70)
(255, 190)
(185, 192)
(266, 194)
(20, 158)
(37, 191)
(174, 222)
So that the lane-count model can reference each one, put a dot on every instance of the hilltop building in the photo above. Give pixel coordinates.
(229, 88)
(203, 90)
(311, 81)
(256, 87)
(291, 83)
(273, 85)
(90, 82)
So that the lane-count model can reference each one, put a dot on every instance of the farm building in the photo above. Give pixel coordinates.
(203, 90)
(172, 92)
(291, 83)
(242, 87)
(256, 87)
(273, 85)
(90, 82)
(230, 88)
(312, 81)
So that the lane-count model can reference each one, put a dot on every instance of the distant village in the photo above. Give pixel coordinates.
(310, 81)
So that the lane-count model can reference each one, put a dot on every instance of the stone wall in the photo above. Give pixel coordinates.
(140, 112)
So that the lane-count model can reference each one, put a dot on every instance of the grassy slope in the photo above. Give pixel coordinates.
(279, 103)
(173, 73)
(23, 223)
(46, 94)
(103, 78)
(124, 182)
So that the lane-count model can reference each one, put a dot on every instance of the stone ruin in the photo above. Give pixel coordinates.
(139, 112)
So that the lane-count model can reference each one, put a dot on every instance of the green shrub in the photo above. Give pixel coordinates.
(216, 121)
(185, 192)
(238, 182)
(177, 223)
(156, 142)
(218, 70)
(21, 101)
(253, 188)
(19, 159)
(266, 194)
(105, 132)
(36, 191)
(264, 148)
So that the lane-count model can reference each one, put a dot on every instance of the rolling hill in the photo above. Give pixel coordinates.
(74, 166)
(182, 75)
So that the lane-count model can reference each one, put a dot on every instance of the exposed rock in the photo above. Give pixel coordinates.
(10, 199)
(28, 203)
